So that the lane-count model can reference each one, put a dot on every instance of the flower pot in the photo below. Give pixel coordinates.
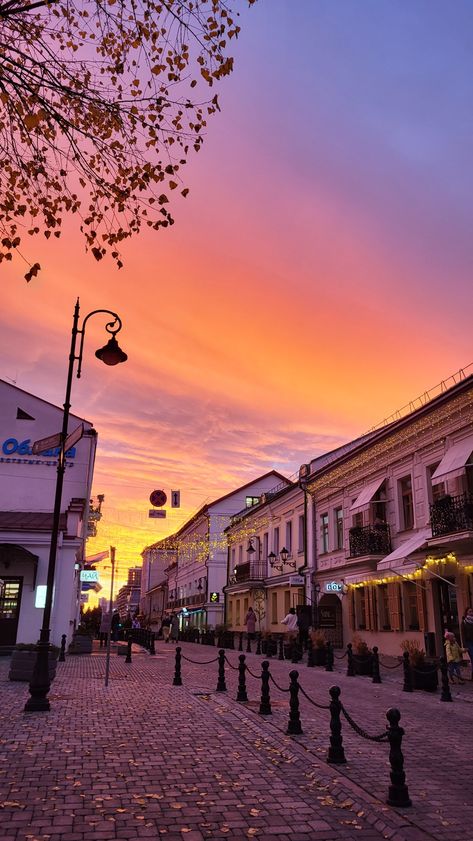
(22, 665)
(80, 644)
(363, 664)
(425, 677)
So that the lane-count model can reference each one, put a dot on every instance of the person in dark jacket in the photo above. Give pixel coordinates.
(303, 624)
(116, 625)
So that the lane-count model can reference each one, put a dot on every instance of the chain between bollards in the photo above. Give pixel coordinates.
(241, 694)
(294, 724)
(128, 649)
(62, 653)
(177, 668)
(221, 685)
(398, 794)
(265, 703)
(407, 687)
(336, 753)
(446, 694)
(375, 665)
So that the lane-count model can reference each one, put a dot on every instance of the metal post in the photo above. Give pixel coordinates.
(265, 704)
(350, 664)
(177, 668)
(407, 673)
(336, 753)
(221, 685)
(152, 649)
(240, 642)
(128, 648)
(62, 653)
(232, 641)
(398, 794)
(330, 657)
(281, 648)
(109, 635)
(294, 724)
(446, 694)
(241, 694)
(375, 661)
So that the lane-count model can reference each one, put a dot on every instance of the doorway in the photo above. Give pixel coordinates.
(447, 607)
(10, 601)
(329, 618)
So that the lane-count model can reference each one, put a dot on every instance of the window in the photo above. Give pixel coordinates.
(276, 541)
(360, 608)
(339, 528)
(240, 554)
(288, 543)
(274, 608)
(407, 502)
(265, 545)
(301, 533)
(245, 607)
(358, 519)
(411, 611)
(436, 491)
(287, 601)
(237, 612)
(324, 533)
(230, 612)
(383, 608)
(378, 506)
(251, 500)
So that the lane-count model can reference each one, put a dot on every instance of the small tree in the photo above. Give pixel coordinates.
(259, 606)
(98, 112)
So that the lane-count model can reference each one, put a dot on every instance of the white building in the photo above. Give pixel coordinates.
(27, 488)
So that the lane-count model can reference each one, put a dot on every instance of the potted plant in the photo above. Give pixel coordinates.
(424, 673)
(23, 659)
(81, 642)
(290, 641)
(319, 647)
(362, 660)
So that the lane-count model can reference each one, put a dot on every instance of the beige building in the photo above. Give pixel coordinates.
(390, 528)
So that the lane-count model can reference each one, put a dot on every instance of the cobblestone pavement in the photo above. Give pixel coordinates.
(145, 759)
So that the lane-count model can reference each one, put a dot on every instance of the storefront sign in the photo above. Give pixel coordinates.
(296, 581)
(12, 447)
(327, 617)
(214, 597)
(334, 587)
(89, 575)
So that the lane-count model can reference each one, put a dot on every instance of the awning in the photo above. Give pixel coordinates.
(395, 561)
(454, 460)
(357, 579)
(367, 494)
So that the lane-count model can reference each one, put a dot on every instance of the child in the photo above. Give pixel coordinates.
(453, 653)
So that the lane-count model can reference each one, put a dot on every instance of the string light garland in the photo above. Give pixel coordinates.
(430, 561)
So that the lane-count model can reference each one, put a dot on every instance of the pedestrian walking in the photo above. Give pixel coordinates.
(174, 628)
(467, 634)
(166, 627)
(105, 628)
(250, 621)
(303, 624)
(453, 653)
(290, 620)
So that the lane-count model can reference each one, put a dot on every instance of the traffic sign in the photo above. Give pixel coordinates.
(175, 499)
(74, 437)
(154, 512)
(48, 443)
(158, 498)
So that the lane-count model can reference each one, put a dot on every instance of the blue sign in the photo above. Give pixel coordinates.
(12, 447)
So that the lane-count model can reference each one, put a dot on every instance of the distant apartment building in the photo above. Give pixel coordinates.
(390, 528)
(127, 601)
(157, 559)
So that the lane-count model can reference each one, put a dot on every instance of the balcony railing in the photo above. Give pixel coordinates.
(370, 540)
(250, 571)
(451, 514)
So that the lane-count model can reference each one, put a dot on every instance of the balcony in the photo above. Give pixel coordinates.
(452, 514)
(370, 540)
(250, 571)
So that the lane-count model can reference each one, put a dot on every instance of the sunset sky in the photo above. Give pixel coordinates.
(317, 278)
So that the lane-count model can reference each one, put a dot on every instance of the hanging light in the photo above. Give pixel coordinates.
(111, 353)
(250, 548)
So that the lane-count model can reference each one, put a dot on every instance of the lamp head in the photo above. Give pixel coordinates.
(284, 555)
(250, 548)
(111, 353)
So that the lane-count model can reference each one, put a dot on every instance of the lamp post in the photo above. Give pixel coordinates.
(110, 354)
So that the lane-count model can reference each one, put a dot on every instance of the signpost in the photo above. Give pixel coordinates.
(158, 498)
(48, 443)
(74, 437)
(155, 512)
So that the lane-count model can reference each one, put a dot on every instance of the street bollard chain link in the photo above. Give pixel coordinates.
(319, 706)
(383, 737)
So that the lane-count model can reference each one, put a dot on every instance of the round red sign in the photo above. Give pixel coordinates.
(158, 499)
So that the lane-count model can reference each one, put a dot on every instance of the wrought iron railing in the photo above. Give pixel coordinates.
(370, 540)
(250, 571)
(451, 514)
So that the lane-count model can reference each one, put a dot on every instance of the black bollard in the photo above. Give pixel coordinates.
(62, 653)
(446, 694)
(232, 641)
(241, 694)
(398, 794)
(407, 673)
(375, 661)
(152, 649)
(330, 657)
(248, 644)
(336, 753)
(128, 649)
(258, 644)
(294, 724)
(177, 668)
(350, 664)
(281, 648)
(240, 644)
(310, 653)
(265, 704)
(269, 647)
(221, 685)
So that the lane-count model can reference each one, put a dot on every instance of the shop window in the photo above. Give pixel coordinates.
(360, 608)
(339, 528)
(274, 608)
(287, 601)
(237, 612)
(323, 533)
(384, 618)
(407, 503)
(411, 611)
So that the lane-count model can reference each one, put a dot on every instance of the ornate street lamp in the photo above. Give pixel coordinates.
(273, 560)
(284, 554)
(110, 354)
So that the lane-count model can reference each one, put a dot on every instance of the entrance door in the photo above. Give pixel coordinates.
(329, 618)
(10, 601)
(447, 601)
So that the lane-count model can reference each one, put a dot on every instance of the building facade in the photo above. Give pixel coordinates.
(390, 528)
(27, 489)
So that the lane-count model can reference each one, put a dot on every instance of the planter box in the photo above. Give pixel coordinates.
(425, 677)
(363, 664)
(80, 644)
(22, 665)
